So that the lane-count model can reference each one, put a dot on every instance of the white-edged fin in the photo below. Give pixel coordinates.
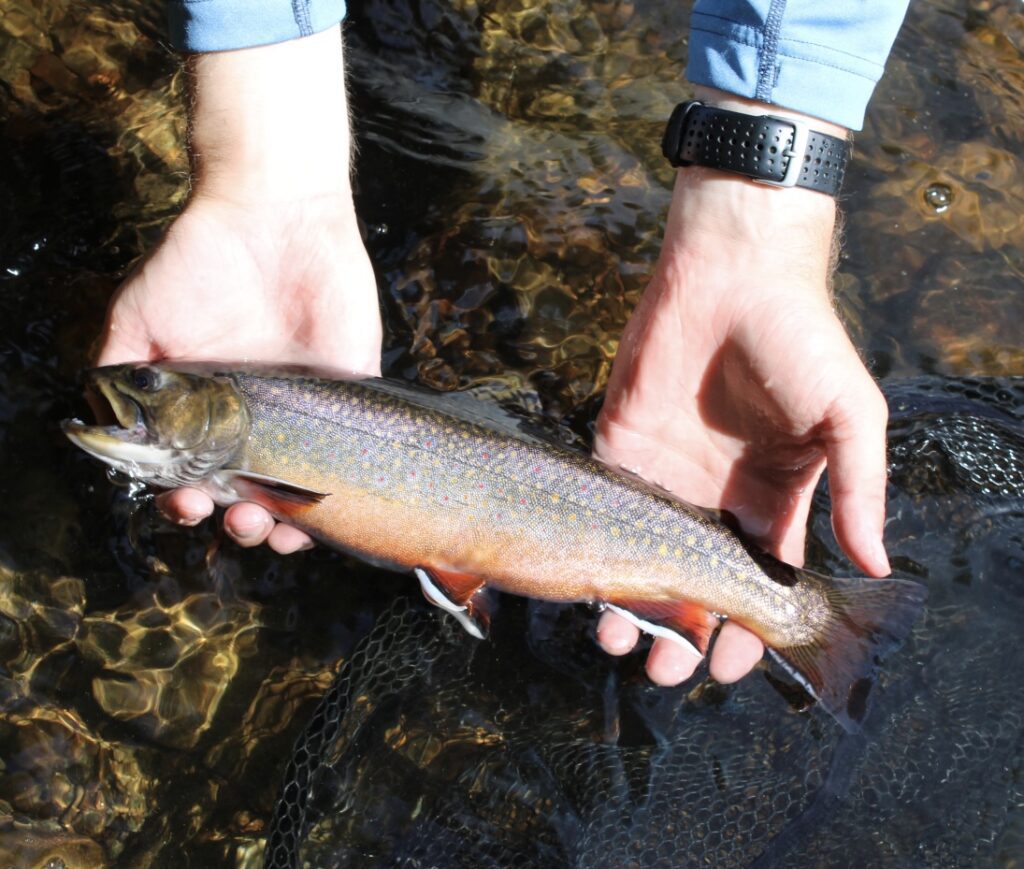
(797, 676)
(655, 630)
(437, 597)
(283, 495)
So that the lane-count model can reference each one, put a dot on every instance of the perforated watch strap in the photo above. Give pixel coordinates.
(758, 146)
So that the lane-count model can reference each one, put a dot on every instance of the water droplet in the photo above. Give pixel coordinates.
(939, 197)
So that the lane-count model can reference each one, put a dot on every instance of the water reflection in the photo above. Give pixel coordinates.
(153, 680)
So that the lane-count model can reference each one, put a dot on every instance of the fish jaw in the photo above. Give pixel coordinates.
(160, 426)
(128, 450)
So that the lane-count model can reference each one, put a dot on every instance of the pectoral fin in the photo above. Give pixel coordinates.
(687, 624)
(460, 594)
(278, 496)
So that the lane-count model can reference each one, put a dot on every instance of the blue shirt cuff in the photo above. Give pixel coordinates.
(820, 59)
(221, 25)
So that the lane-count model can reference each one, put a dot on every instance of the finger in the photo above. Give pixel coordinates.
(670, 663)
(735, 654)
(286, 539)
(185, 506)
(615, 635)
(856, 475)
(248, 524)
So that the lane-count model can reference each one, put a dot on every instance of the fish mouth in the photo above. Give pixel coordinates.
(122, 439)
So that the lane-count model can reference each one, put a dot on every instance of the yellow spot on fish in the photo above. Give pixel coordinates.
(691, 540)
(647, 541)
(663, 549)
(284, 460)
(631, 541)
(280, 437)
(677, 552)
(615, 532)
(639, 523)
(572, 517)
(305, 466)
(555, 498)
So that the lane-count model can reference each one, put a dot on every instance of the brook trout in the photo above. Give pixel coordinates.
(385, 473)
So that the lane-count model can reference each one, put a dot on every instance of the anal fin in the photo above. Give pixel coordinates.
(464, 596)
(687, 624)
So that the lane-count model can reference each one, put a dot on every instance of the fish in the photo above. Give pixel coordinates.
(420, 482)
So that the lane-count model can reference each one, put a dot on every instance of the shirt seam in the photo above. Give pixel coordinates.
(767, 62)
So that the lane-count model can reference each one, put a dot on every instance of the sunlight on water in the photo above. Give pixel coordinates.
(153, 680)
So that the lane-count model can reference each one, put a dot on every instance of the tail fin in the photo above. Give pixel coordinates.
(870, 617)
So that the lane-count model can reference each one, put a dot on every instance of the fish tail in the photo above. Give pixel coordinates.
(869, 618)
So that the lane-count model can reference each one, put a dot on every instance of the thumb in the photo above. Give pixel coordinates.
(124, 338)
(855, 448)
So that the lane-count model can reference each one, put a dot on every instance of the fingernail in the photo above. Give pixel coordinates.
(880, 556)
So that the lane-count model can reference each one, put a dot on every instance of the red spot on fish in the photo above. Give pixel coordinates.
(332, 454)
(380, 479)
(428, 443)
(306, 444)
(522, 500)
(365, 451)
(584, 487)
(412, 473)
(485, 455)
(536, 469)
(445, 498)
(479, 485)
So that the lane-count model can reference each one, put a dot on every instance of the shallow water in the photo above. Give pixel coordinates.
(154, 680)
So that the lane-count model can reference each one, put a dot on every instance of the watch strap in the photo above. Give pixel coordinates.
(770, 149)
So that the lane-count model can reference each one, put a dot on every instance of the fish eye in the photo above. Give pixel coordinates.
(145, 379)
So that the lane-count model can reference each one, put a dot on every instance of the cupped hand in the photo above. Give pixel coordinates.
(734, 385)
(285, 282)
(266, 263)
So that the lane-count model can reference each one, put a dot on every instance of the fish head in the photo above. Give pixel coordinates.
(167, 427)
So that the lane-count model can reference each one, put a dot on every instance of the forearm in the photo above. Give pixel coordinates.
(271, 123)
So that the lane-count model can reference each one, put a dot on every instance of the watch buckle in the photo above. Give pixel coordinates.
(796, 151)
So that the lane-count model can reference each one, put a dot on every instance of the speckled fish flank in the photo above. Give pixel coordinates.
(391, 477)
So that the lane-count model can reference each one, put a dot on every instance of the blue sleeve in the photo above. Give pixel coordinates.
(218, 25)
(816, 57)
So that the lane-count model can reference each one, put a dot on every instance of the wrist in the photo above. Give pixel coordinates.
(725, 100)
(727, 228)
(271, 123)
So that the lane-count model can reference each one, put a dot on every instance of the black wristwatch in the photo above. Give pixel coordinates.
(768, 149)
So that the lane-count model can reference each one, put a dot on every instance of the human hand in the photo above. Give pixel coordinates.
(266, 262)
(734, 384)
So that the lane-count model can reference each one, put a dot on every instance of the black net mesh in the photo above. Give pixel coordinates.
(534, 749)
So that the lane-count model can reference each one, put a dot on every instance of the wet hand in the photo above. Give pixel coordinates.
(266, 262)
(735, 383)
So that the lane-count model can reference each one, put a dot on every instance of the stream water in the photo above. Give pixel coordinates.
(154, 680)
